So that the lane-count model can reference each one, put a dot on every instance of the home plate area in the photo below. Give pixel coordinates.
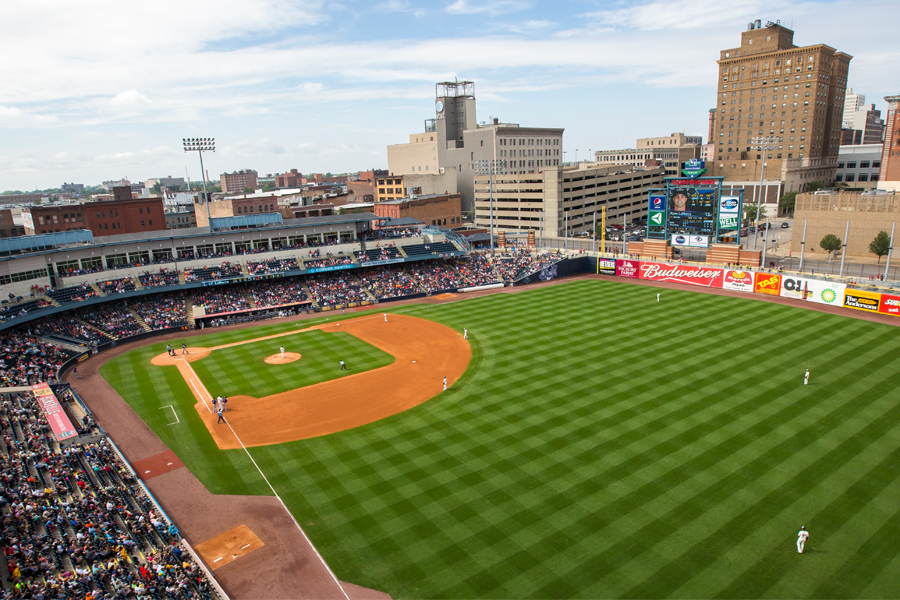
(157, 464)
(229, 546)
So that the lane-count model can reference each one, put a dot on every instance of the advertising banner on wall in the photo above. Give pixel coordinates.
(890, 305)
(53, 411)
(741, 281)
(767, 283)
(694, 241)
(606, 266)
(699, 276)
(628, 268)
(861, 300)
(728, 212)
(813, 290)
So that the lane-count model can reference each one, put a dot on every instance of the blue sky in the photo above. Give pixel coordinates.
(104, 89)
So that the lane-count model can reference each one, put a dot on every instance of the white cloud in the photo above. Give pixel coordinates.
(11, 116)
(490, 7)
(130, 99)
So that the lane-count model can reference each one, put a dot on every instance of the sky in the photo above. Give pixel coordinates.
(103, 89)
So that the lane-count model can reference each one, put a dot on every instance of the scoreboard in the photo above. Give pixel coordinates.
(691, 211)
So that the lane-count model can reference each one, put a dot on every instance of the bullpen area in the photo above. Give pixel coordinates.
(594, 441)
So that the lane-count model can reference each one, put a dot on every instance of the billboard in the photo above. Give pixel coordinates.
(657, 202)
(728, 212)
(694, 241)
(813, 290)
(890, 305)
(860, 300)
(628, 268)
(699, 276)
(53, 411)
(767, 283)
(606, 266)
(741, 281)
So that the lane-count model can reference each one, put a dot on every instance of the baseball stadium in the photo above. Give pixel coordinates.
(318, 409)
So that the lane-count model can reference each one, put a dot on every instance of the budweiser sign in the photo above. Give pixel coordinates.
(681, 274)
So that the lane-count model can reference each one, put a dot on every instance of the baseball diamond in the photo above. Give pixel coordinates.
(599, 444)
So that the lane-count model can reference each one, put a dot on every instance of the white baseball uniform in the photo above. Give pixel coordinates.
(801, 540)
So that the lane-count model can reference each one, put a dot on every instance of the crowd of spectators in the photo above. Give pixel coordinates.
(377, 253)
(389, 282)
(19, 310)
(160, 312)
(85, 270)
(475, 269)
(278, 292)
(159, 279)
(436, 275)
(67, 326)
(115, 318)
(224, 271)
(328, 261)
(220, 299)
(76, 524)
(388, 234)
(335, 289)
(75, 293)
(273, 266)
(26, 360)
(520, 264)
(117, 286)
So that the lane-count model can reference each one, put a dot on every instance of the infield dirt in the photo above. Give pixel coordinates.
(424, 351)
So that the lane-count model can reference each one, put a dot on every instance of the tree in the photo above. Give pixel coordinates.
(841, 185)
(830, 244)
(157, 188)
(787, 202)
(248, 190)
(814, 186)
(269, 187)
(880, 245)
(750, 212)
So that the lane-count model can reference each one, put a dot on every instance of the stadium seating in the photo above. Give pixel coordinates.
(426, 249)
(76, 293)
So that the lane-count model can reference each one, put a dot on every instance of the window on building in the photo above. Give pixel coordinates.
(850, 177)
(851, 165)
(863, 164)
(863, 177)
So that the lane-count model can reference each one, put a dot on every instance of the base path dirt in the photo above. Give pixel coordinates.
(425, 352)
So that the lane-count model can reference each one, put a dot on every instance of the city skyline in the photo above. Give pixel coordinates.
(103, 91)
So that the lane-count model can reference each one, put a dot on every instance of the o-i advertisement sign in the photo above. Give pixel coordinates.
(693, 167)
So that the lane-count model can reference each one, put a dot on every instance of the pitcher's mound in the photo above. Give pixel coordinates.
(276, 359)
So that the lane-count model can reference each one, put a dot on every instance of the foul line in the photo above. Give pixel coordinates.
(266, 479)
(175, 414)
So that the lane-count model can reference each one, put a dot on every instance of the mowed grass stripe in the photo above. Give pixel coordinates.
(582, 394)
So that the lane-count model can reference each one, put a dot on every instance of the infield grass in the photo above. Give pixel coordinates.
(601, 444)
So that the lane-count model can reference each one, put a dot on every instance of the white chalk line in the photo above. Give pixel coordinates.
(266, 479)
(175, 414)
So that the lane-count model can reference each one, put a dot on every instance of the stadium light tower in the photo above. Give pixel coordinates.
(489, 167)
(761, 144)
(201, 145)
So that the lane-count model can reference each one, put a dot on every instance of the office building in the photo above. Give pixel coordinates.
(291, 179)
(169, 182)
(238, 181)
(866, 127)
(540, 201)
(667, 152)
(889, 176)
(392, 187)
(858, 166)
(852, 103)
(770, 87)
(454, 138)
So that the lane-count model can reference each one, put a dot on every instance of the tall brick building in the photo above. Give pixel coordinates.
(292, 178)
(890, 155)
(770, 87)
(237, 181)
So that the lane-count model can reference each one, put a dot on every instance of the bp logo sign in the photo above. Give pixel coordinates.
(828, 296)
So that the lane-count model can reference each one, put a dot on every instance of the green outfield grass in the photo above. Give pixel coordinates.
(601, 444)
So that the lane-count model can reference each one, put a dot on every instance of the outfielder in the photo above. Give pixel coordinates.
(657, 296)
(801, 539)
(465, 333)
(806, 378)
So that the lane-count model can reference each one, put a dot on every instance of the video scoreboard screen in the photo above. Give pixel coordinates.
(692, 210)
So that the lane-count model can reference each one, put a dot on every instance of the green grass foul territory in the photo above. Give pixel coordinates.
(602, 444)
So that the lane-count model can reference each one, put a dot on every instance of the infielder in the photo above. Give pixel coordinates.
(343, 366)
(806, 378)
(465, 333)
(445, 384)
(385, 317)
(282, 352)
(801, 539)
